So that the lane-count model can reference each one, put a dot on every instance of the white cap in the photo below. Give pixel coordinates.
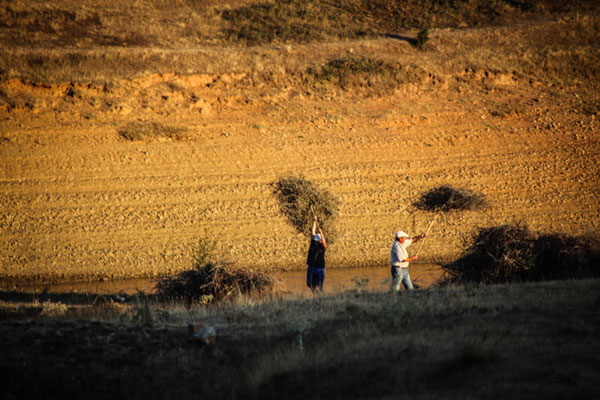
(317, 237)
(400, 234)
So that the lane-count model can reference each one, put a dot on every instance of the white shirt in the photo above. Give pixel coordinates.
(399, 253)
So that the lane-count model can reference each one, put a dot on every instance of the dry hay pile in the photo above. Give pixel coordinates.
(510, 253)
(214, 282)
(497, 254)
(448, 198)
(297, 198)
(567, 257)
(152, 131)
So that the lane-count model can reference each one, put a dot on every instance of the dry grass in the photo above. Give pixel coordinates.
(48, 44)
(363, 72)
(511, 253)
(299, 197)
(358, 344)
(447, 198)
(217, 282)
(152, 131)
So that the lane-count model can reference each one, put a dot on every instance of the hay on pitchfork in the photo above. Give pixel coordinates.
(216, 281)
(298, 197)
(447, 198)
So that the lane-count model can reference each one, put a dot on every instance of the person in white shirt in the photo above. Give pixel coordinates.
(399, 260)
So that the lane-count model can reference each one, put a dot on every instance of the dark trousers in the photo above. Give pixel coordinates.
(315, 278)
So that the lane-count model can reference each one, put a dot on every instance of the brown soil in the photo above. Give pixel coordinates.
(79, 201)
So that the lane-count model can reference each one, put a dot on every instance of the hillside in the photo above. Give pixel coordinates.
(130, 132)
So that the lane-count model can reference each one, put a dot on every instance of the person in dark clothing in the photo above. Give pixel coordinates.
(315, 262)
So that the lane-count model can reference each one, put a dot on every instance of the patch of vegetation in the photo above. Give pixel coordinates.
(291, 21)
(211, 280)
(422, 37)
(152, 131)
(318, 20)
(215, 282)
(298, 197)
(364, 72)
(561, 256)
(357, 344)
(511, 253)
(448, 198)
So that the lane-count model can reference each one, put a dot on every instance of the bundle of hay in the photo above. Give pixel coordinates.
(510, 253)
(448, 198)
(497, 254)
(566, 257)
(298, 198)
(213, 282)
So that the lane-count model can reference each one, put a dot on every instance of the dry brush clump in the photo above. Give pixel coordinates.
(511, 253)
(298, 197)
(217, 281)
(448, 198)
(152, 131)
(363, 72)
(496, 254)
(561, 256)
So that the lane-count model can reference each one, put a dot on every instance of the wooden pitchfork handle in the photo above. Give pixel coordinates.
(433, 220)
(314, 214)
(427, 231)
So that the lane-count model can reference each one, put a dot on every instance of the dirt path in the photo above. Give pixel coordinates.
(81, 202)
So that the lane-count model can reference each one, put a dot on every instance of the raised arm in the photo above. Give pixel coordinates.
(417, 238)
(323, 238)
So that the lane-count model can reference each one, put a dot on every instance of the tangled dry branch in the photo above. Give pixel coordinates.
(213, 282)
(447, 198)
(297, 198)
(511, 253)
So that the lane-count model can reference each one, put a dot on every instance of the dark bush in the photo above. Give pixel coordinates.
(497, 254)
(566, 257)
(510, 253)
(213, 282)
(362, 72)
(296, 196)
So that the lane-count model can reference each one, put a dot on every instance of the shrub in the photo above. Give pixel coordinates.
(150, 131)
(364, 72)
(510, 253)
(298, 197)
(448, 198)
(217, 281)
(422, 38)
(497, 254)
(564, 257)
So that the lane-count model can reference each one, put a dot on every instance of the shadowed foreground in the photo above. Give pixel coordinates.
(536, 340)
